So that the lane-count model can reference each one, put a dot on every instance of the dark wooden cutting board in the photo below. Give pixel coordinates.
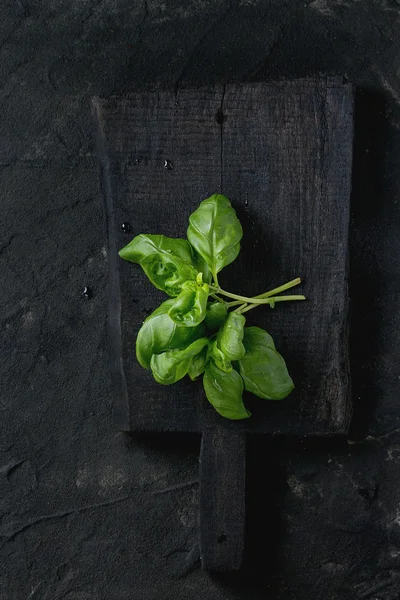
(282, 153)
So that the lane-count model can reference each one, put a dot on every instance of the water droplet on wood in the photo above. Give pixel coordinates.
(87, 293)
(126, 227)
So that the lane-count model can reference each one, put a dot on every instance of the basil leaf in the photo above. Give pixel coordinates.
(159, 333)
(145, 244)
(167, 262)
(215, 232)
(256, 336)
(263, 369)
(189, 308)
(219, 358)
(216, 313)
(224, 392)
(171, 366)
(201, 266)
(230, 336)
(198, 364)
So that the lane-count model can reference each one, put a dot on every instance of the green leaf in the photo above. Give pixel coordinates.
(215, 232)
(159, 333)
(167, 262)
(219, 358)
(263, 369)
(216, 313)
(224, 392)
(256, 336)
(198, 364)
(189, 308)
(201, 266)
(230, 336)
(145, 244)
(171, 366)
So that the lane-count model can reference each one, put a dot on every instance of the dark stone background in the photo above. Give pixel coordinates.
(87, 513)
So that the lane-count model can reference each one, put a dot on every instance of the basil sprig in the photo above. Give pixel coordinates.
(200, 330)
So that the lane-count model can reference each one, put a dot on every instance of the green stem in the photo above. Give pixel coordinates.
(281, 288)
(219, 299)
(234, 303)
(215, 276)
(261, 298)
(242, 298)
(244, 308)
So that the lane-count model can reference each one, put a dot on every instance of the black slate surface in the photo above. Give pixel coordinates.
(327, 525)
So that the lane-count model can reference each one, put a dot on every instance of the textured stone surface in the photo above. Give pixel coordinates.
(86, 513)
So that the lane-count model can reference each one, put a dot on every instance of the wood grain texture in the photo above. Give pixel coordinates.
(222, 499)
(287, 154)
(283, 156)
(136, 135)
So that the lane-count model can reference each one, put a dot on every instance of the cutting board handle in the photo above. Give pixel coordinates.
(222, 499)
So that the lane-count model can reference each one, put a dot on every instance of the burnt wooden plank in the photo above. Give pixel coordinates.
(222, 499)
(283, 153)
(136, 135)
(287, 152)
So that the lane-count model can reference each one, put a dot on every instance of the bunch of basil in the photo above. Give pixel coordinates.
(197, 332)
